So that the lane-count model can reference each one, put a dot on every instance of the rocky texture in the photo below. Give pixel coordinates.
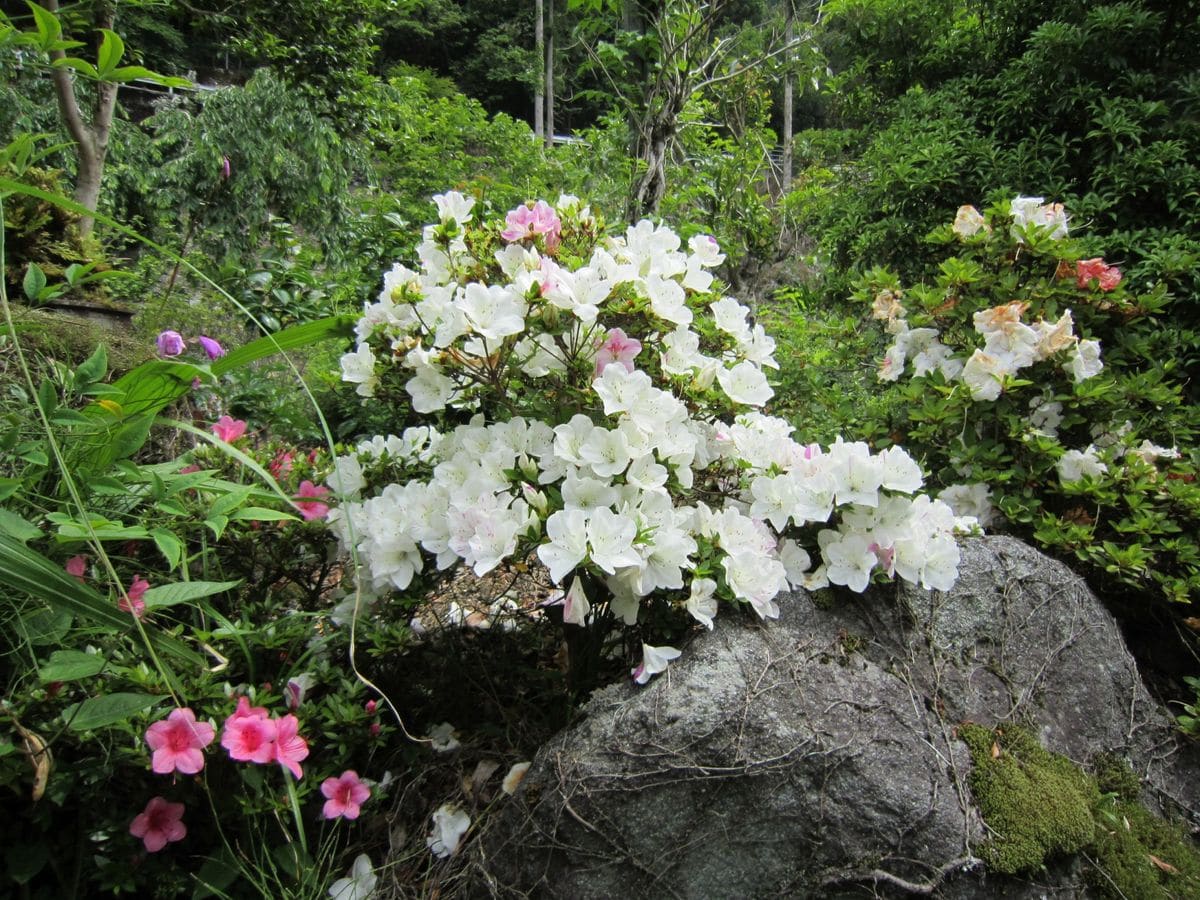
(817, 755)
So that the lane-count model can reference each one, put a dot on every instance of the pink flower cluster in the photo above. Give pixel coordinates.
(250, 735)
(1108, 277)
(529, 221)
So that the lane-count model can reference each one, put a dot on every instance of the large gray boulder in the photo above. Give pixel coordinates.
(817, 755)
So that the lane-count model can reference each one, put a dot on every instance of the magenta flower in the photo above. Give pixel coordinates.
(159, 824)
(178, 743)
(311, 509)
(249, 737)
(170, 343)
(229, 429)
(618, 348)
(527, 222)
(344, 795)
(76, 567)
(132, 602)
(290, 748)
(211, 348)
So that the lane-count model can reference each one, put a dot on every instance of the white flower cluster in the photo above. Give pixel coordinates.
(611, 480)
(1009, 346)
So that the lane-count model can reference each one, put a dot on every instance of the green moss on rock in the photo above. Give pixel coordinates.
(1039, 805)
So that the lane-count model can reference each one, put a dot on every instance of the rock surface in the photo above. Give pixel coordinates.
(817, 755)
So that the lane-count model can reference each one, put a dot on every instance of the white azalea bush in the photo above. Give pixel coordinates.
(1026, 420)
(597, 400)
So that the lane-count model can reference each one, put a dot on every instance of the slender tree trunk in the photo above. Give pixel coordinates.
(539, 42)
(550, 74)
(91, 138)
(788, 35)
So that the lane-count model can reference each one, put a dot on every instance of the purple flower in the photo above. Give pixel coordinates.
(170, 343)
(211, 347)
(226, 168)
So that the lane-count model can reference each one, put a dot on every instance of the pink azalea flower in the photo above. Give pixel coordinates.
(246, 711)
(159, 824)
(312, 509)
(617, 348)
(527, 222)
(344, 795)
(212, 349)
(290, 748)
(170, 343)
(281, 464)
(178, 743)
(76, 567)
(1087, 269)
(132, 601)
(229, 429)
(249, 738)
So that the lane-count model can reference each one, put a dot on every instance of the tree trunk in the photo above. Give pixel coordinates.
(539, 42)
(788, 35)
(91, 138)
(550, 75)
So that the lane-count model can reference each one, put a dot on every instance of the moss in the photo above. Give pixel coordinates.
(1039, 805)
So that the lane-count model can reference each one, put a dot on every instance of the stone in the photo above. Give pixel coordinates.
(817, 755)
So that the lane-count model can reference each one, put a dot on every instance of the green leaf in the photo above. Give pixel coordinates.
(183, 591)
(217, 525)
(34, 282)
(287, 339)
(8, 487)
(46, 626)
(168, 545)
(262, 514)
(226, 504)
(71, 665)
(48, 26)
(26, 571)
(109, 54)
(92, 369)
(109, 709)
(82, 66)
(21, 529)
(217, 873)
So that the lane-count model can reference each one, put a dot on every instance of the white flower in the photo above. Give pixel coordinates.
(1032, 211)
(1150, 453)
(443, 738)
(449, 825)
(1077, 464)
(970, 500)
(359, 883)
(607, 452)
(745, 383)
(730, 317)
(429, 389)
(454, 206)
(347, 476)
(857, 475)
(848, 559)
(654, 660)
(620, 390)
(756, 578)
(568, 542)
(701, 603)
(1084, 361)
(967, 221)
(610, 539)
(358, 367)
(900, 471)
(705, 250)
(494, 312)
(984, 375)
(575, 604)
(514, 777)
(796, 562)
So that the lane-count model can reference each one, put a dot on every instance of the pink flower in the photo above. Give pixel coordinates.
(370, 707)
(76, 567)
(344, 795)
(188, 470)
(617, 348)
(290, 748)
(281, 464)
(311, 509)
(132, 601)
(246, 711)
(170, 343)
(1107, 276)
(526, 222)
(226, 168)
(212, 349)
(178, 743)
(249, 737)
(159, 824)
(229, 429)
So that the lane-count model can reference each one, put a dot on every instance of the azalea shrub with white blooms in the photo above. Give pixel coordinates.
(1022, 415)
(598, 400)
